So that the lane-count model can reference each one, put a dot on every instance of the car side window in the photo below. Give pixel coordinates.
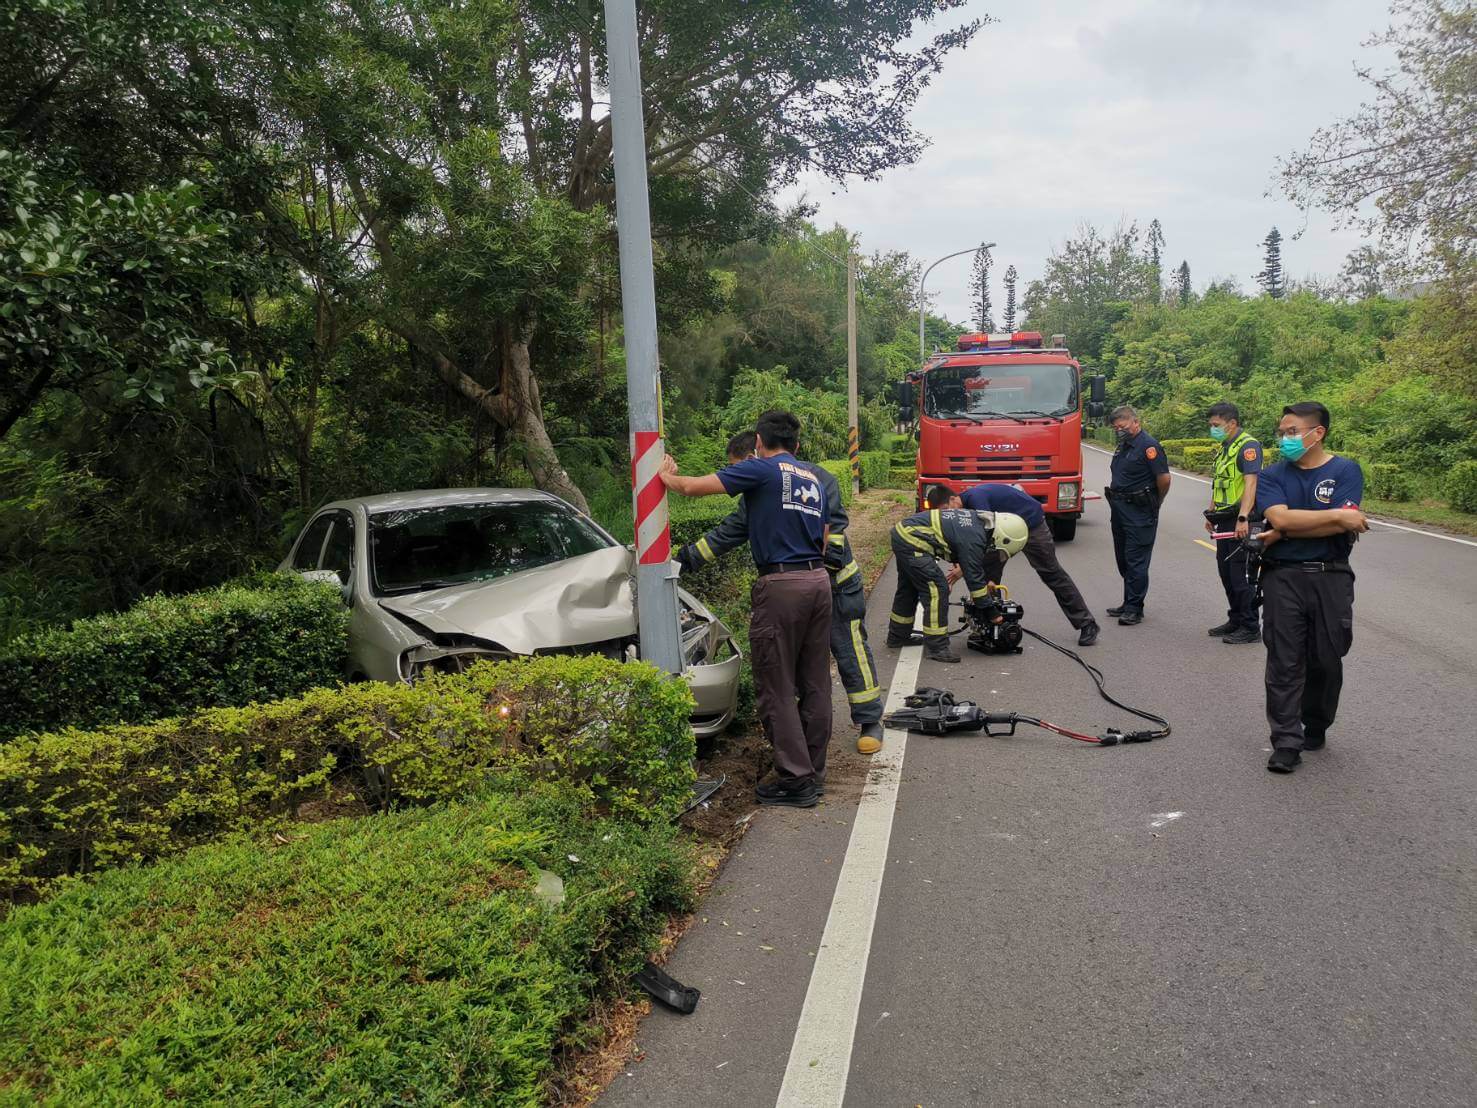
(305, 557)
(339, 554)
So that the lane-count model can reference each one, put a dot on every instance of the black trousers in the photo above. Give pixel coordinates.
(1040, 551)
(1134, 531)
(1308, 626)
(919, 581)
(1232, 561)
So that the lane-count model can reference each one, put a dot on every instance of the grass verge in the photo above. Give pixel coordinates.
(1430, 512)
(397, 958)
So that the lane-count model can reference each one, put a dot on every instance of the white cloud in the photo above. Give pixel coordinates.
(1070, 110)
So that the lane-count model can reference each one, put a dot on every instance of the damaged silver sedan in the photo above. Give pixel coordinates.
(437, 580)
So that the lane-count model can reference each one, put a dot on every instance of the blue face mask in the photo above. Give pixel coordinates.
(1292, 447)
(1218, 433)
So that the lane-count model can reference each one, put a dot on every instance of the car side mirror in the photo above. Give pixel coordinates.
(1097, 388)
(905, 396)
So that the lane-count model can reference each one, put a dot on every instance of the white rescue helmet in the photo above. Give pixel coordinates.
(1011, 533)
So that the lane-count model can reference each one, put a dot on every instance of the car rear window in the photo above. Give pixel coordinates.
(416, 549)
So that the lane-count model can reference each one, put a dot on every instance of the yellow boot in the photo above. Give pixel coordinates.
(870, 740)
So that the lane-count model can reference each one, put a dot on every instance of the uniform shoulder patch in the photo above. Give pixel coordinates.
(1249, 453)
(1151, 453)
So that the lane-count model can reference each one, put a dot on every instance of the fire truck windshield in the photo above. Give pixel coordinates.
(1012, 390)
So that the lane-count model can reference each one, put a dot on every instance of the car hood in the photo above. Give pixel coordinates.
(575, 602)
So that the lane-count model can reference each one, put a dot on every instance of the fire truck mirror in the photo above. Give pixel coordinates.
(1098, 393)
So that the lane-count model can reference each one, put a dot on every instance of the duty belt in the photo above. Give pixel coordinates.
(1308, 567)
(1144, 496)
(789, 567)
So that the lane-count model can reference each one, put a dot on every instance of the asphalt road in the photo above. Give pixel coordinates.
(1158, 924)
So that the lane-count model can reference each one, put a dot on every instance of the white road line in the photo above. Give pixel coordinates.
(1372, 519)
(820, 1057)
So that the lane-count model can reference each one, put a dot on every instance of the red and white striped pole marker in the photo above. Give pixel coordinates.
(656, 576)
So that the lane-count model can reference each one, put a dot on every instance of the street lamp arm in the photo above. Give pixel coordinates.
(923, 281)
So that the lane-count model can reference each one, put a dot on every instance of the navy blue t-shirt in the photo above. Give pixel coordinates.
(1337, 483)
(786, 506)
(1004, 498)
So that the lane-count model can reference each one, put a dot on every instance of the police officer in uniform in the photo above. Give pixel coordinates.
(1232, 502)
(1311, 503)
(1140, 483)
(790, 625)
(1040, 552)
(849, 645)
(964, 537)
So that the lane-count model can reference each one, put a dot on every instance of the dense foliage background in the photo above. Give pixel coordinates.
(292, 251)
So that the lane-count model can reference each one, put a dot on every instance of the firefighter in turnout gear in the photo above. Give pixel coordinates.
(849, 645)
(964, 537)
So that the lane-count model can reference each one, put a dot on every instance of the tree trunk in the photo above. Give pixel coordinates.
(521, 396)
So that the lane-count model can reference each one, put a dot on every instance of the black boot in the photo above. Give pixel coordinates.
(936, 649)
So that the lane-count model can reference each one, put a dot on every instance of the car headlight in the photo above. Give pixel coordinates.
(1066, 494)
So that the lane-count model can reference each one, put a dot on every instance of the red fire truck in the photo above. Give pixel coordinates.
(1003, 407)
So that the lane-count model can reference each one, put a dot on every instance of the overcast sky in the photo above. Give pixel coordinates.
(1069, 110)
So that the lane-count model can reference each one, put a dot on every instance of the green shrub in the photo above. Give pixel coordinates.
(900, 477)
(393, 958)
(77, 801)
(1387, 481)
(692, 517)
(1461, 486)
(1200, 458)
(876, 465)
(274, 636)
(842, 472)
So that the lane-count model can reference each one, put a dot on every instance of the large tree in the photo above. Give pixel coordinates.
(457, 156)
(1154, 255)
(1183, 290)
(1270, 278)
(1010, 281)
(1400, 168)
(979, 289)
(1088, 284)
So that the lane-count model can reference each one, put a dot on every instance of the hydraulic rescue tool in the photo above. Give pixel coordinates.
(994, 628)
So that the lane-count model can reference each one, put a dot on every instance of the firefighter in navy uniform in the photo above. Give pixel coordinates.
(966, 538)
(849, 645)
(1139, 485)
(1232, 502)
(1311, 503)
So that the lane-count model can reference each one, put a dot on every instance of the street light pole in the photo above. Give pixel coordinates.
(656, 582)
(853, 440)
(922, 353)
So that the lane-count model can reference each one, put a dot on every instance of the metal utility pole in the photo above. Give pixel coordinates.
(656, 579)
(853, 440)
(922, 352)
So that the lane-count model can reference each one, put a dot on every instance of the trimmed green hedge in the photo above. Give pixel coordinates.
(876, 465)
(842, 472)
(1200, 458)
(398, 958)
(271, 637)
(690, 518)
(1460, 486)
(78, 801)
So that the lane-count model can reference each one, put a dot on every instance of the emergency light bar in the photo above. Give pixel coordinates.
(999, 340)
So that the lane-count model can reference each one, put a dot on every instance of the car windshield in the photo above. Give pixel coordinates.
(416, 549)
(990, 391)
